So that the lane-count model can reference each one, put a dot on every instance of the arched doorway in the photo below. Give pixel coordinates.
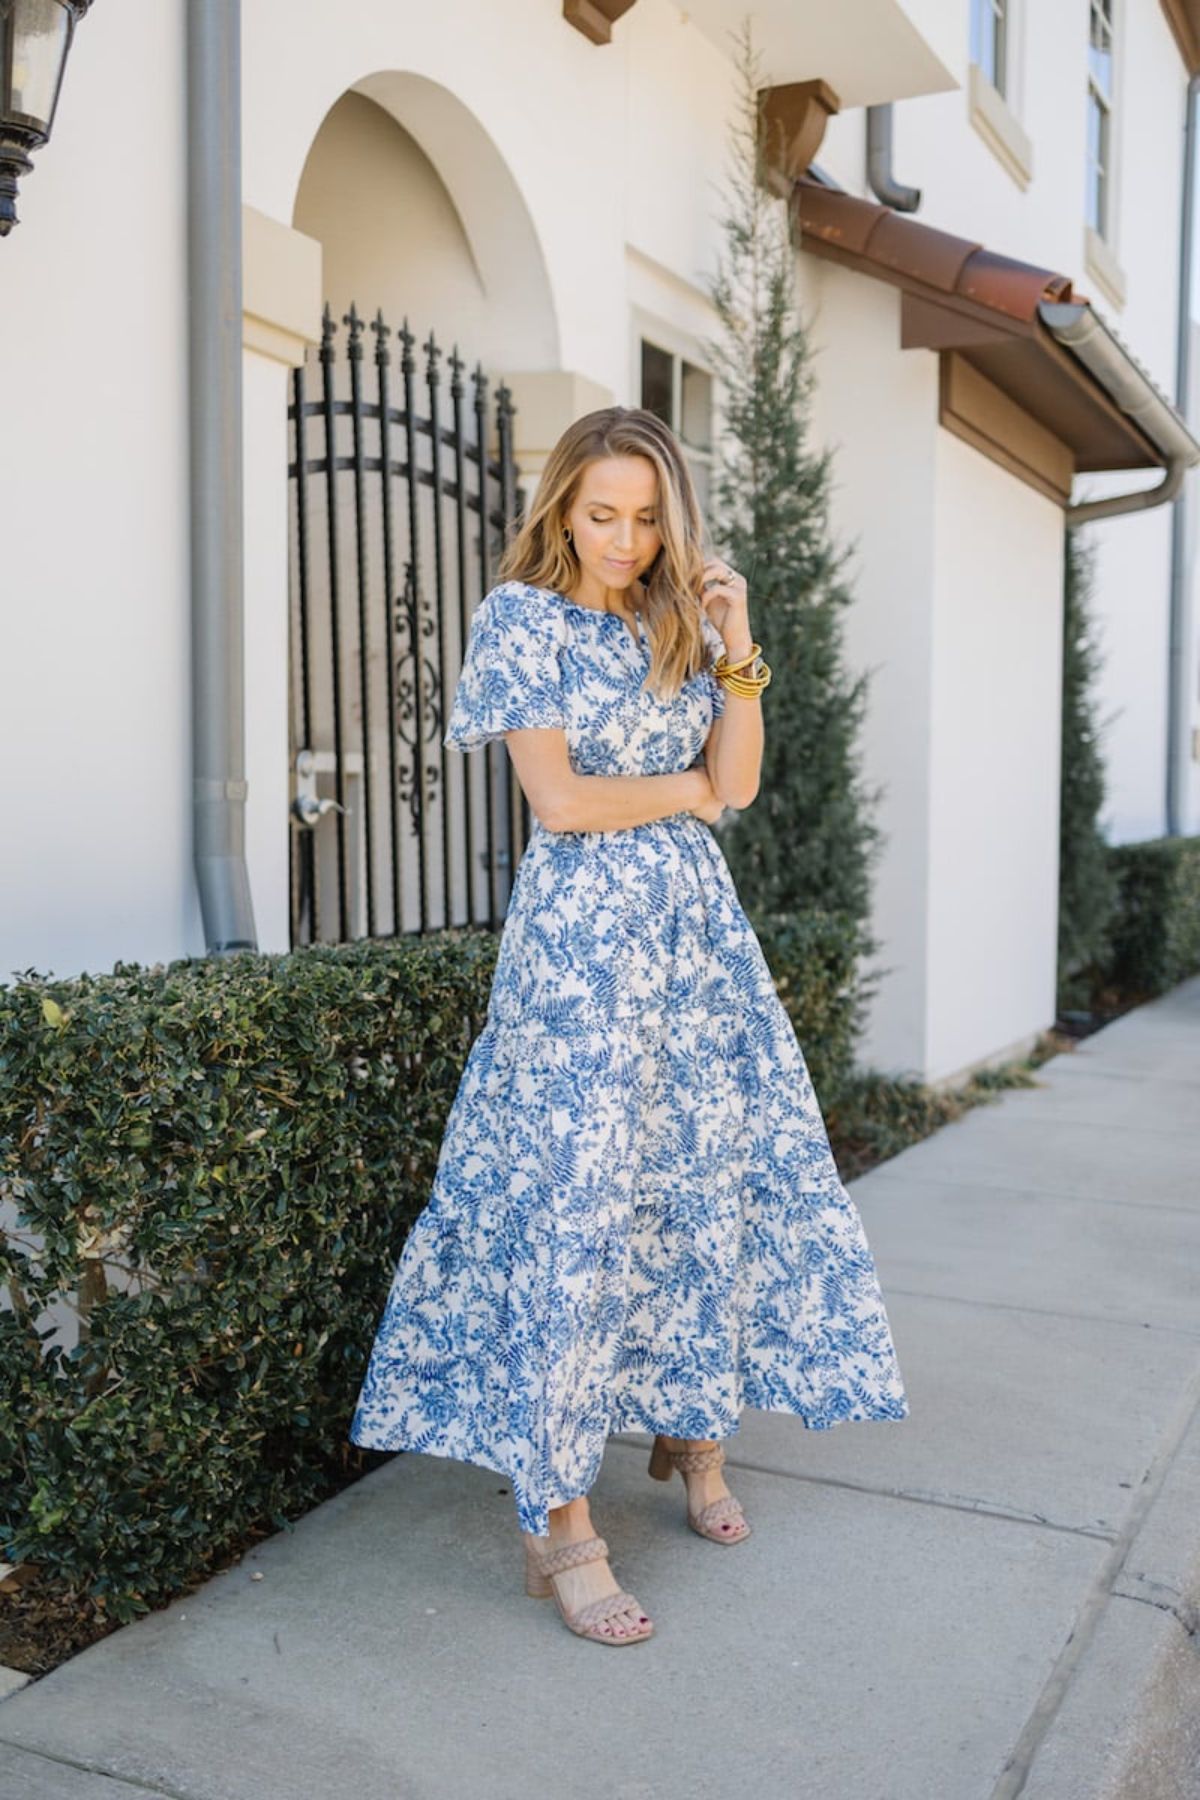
(402, 490)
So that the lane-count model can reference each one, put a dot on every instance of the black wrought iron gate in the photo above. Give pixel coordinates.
(397, 520)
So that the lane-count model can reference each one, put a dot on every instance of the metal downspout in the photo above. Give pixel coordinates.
(882, 182)
(214, 263)
(1179, 698)
(1082, 331)
(1136, 500)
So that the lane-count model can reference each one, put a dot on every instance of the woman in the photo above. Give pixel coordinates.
(636, 1221)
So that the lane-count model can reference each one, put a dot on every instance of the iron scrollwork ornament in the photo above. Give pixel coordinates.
(418, 701)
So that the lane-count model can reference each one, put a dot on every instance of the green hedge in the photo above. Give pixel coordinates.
(1156, 933)
(215, 1163)
(251, 1137)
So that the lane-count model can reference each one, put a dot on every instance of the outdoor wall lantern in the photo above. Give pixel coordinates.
(35, 37)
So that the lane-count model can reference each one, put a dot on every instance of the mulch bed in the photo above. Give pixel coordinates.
(39, 1630)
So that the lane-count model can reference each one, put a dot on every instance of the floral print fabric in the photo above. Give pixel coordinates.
(636, 1222)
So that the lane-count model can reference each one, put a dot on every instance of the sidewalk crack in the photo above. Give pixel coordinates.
(1164, 1597)
(132, 1782)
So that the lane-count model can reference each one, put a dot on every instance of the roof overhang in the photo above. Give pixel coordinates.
(1025, 353)
(868, 52)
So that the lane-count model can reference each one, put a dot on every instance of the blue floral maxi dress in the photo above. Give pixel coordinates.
(636, 1221)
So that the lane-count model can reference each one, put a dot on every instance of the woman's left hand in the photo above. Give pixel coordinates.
(724, 598)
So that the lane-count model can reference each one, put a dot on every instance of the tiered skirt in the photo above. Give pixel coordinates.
(636, 1221)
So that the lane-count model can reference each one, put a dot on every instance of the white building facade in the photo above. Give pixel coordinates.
(539, 184)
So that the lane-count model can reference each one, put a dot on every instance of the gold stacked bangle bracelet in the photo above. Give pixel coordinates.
(732, 676)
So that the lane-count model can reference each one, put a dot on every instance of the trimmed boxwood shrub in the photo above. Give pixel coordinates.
(1156, 932)
(212, 1164)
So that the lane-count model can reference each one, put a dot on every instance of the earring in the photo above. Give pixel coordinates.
(567, 533)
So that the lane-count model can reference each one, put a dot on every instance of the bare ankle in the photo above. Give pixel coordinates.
(572, 1520)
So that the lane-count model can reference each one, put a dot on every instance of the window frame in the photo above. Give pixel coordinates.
(1100, 240)
(994, 104)
(680, 345)
(1098, 195)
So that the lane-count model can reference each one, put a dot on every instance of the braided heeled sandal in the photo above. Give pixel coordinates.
(542, 1565)
(721, 1520)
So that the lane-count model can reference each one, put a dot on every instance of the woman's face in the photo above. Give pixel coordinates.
(613, 520)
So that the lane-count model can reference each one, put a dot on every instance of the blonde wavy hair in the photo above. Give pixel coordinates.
(541, 555)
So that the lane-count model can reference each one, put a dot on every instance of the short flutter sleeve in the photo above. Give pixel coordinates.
(716, 645)
(511, 676)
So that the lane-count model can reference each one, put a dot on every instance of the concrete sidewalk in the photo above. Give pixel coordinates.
(997, 1596)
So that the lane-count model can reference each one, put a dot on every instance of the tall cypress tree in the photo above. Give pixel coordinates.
(807, 841)
(1087, 885)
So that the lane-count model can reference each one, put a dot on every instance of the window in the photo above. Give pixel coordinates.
(989, 40)
(680, 394)
(1099, 115)
(994, 82)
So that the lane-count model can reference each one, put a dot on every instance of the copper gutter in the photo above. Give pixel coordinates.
(1022, 326)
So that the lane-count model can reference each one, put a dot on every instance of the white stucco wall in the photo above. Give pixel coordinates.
(94, 685)
(875, 409)
(994, 761)
(1130, 606)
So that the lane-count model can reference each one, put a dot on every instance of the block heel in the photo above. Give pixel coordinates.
(537, 1585)
(541, 1566)
(661, 1466)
